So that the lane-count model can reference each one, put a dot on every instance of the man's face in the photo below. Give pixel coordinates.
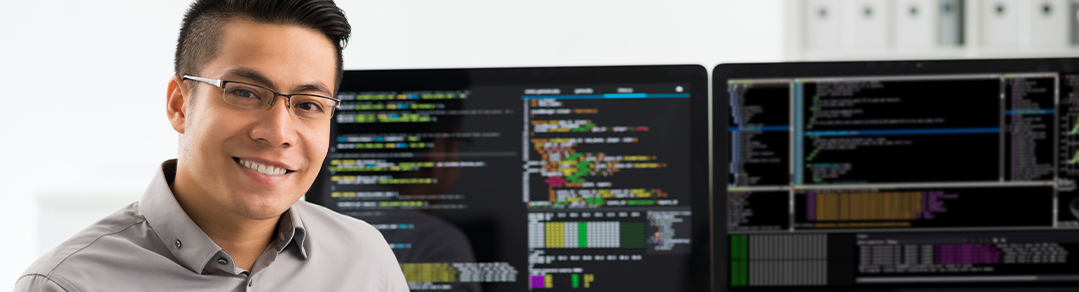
(223, 145)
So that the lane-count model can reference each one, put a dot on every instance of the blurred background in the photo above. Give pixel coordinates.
(83, 125)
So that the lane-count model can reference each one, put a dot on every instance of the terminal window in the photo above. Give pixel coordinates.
(526, 187)
(903, 181)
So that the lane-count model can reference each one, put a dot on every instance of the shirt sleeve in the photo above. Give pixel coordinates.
(35, 283)
(395, 279)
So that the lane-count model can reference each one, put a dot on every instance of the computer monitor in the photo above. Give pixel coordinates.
(897, 176)
(538, 179)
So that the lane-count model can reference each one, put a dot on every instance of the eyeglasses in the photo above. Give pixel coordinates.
(250, 96)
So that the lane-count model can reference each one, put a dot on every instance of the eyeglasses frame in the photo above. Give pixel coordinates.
(288, 97)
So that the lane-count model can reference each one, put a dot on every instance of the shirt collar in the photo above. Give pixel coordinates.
(291, 230)
(191, 247)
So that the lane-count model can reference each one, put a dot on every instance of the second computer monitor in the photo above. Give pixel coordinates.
(882, 176)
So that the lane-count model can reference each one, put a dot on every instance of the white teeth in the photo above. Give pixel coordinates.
(263, 169)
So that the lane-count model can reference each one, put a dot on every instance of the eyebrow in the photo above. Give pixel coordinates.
(258, 77)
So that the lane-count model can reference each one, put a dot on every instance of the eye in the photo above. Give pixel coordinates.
(309, 106)
(244, 93)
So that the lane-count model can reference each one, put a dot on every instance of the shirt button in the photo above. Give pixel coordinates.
(222, 261)
(177, 244)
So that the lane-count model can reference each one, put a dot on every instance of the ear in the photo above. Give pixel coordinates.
(176, 103)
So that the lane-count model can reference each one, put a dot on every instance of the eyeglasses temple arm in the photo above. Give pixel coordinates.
(214, 82)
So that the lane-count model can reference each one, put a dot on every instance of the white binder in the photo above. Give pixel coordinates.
(915, 23)
(866, 24)
(1000, 22)
(823, 24)
(1047, 23)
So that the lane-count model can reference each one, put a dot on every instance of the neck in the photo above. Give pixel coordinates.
(241, 237)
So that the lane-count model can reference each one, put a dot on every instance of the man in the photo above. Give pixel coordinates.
(252, 100)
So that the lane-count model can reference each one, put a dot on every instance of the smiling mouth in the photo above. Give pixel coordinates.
(262, 168)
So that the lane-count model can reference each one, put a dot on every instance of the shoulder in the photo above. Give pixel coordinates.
(81, 251)
(341, 241)
(37, 282)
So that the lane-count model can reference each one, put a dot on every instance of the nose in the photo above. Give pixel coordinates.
(275, 127)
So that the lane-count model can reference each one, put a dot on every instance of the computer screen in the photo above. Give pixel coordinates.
(888, 176)
(537, 179)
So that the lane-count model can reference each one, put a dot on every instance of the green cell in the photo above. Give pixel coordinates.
(631, 234)
(739, 261)
(582, 235)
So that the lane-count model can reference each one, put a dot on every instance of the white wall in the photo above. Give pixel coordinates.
(82, 83)
(423, 34)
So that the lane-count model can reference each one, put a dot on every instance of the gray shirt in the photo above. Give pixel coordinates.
(153, 245)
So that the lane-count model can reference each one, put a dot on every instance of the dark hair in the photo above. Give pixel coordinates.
(199, 34)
